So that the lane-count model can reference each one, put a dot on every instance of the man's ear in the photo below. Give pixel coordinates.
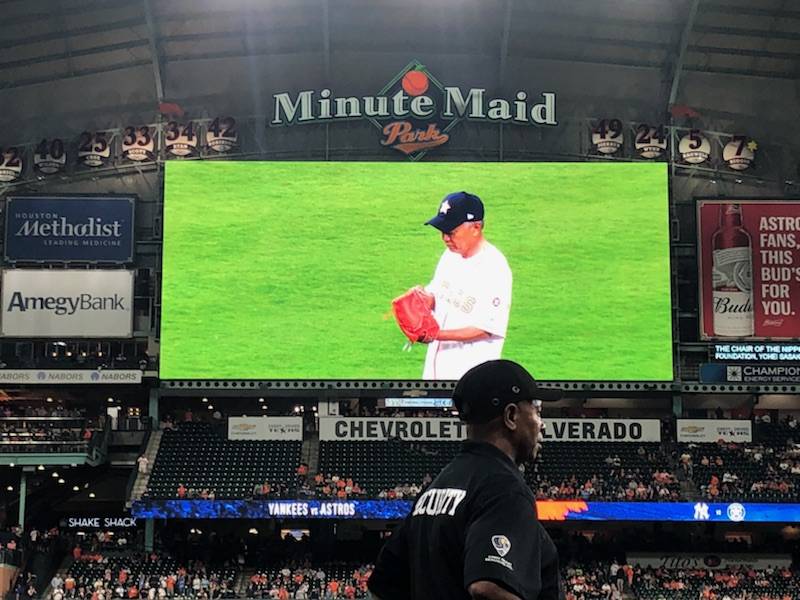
(510, 414)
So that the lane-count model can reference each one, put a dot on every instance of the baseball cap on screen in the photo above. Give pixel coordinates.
(455, 209)
(484, 391)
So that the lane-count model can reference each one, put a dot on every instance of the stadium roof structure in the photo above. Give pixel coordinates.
(152, 43)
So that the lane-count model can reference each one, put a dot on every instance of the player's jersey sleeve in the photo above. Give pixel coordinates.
(493, 303)
(502, 545)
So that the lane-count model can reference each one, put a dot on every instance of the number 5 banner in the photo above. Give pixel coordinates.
(749, 268)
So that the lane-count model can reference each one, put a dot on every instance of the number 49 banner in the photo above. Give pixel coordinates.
(749, 268)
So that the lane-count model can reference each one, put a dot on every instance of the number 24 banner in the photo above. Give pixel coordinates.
(749, 268)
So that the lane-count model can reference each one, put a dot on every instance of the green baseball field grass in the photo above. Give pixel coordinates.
(286, 270)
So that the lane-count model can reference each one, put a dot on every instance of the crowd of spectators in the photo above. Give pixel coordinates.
(44, 429)
(107, 576)
(737, 583)
(43, 410)
(641, 476)
(307, 582)
(613, 581)
(185, 493)
(331, 485)
(730, 471)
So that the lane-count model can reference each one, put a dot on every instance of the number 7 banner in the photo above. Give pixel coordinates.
(749, 268)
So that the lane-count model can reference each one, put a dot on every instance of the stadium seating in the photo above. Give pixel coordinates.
(563, 469)
(379, 466)
(202, 459)
(342, 580)
(125, 571)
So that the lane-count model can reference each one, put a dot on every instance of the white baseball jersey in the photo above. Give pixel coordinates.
(470, 292)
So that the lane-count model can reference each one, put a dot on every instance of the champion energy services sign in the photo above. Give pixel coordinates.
(69, 229)
(415, 112)
(68, 303)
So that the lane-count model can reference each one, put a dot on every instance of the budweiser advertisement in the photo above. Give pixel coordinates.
(749, 265)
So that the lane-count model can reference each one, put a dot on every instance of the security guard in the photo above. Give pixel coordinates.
(474, 533)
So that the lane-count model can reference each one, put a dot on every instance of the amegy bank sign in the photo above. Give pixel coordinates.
(414, 111)
(67, 303)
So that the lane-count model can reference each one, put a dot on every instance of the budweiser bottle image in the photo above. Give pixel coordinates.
(732, 275)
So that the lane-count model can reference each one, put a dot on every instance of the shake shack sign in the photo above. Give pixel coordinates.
(414, 112)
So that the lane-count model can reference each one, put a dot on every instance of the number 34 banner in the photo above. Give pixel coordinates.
(749, 265)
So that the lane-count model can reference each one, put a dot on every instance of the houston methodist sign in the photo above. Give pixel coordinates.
(414, 111)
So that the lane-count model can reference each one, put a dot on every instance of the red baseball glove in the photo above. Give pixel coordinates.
(414, 317)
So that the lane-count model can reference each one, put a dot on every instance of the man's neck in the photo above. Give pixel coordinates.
(475, 249)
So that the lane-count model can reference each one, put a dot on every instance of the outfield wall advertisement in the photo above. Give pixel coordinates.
(749, 265)
(265, 428)
(69, 229)
(67, 303)
(710, 561)
(435, 429)
(289, 269)
(711, 431)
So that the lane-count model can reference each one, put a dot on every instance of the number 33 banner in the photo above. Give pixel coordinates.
(749, 265)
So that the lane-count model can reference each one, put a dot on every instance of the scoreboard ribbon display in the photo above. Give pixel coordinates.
(548, 510)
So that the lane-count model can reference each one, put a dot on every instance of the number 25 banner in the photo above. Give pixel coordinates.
(749, 265)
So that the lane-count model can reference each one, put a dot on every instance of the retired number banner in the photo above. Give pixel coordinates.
(749, 265)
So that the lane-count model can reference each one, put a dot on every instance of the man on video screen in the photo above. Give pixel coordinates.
(470, 292)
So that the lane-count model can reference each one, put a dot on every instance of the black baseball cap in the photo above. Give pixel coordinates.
(484, 391)
(455, 209)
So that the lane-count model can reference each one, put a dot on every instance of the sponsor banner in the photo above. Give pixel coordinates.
(433, 429)
(709, 561)
(746, 373)
(69, 228)
(548, 510)
(602, 430)
(749, 255)
(367, 429)
(68, 303)
(711, 430)
(755, 352)
(81, 376)
(100, 522)
(265, 428)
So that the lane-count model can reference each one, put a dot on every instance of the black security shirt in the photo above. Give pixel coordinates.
(477, 521)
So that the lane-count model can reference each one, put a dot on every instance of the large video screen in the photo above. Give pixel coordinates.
(287, 270)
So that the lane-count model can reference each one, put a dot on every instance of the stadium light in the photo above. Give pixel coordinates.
(60, 480)
(54, 474)
(49, 399)
(263, 407)
(210, 407)
(253, 531)
(10, 464)
(110, 399)
(10, 488)
(205, 399)
(40, 468)
(75, 488)
(91, 495)
(261, 400)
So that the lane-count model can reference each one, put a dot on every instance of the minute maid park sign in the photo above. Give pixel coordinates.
(414, 111)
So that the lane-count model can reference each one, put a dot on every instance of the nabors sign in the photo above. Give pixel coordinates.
(414, 111)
